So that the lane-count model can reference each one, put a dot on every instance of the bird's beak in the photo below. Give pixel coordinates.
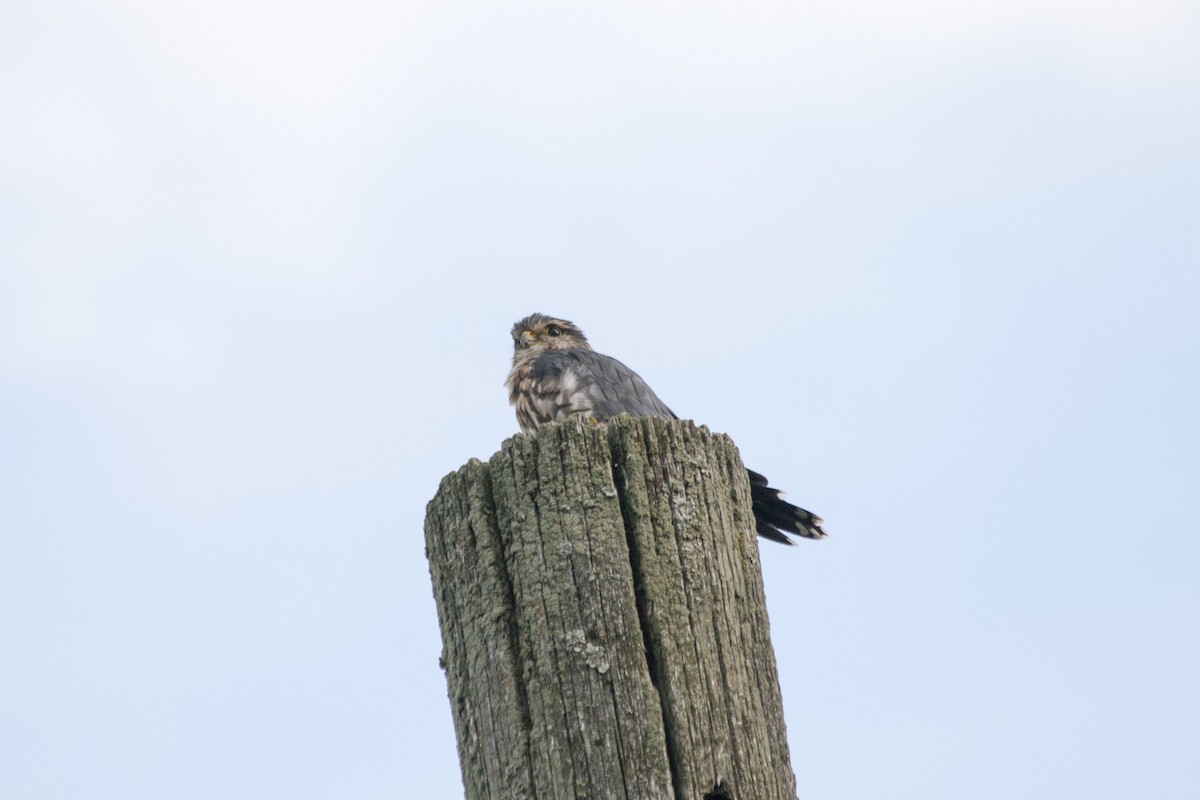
(527, 338)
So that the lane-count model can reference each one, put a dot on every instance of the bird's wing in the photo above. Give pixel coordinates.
(582, 382)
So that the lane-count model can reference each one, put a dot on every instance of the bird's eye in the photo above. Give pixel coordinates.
(553, 330)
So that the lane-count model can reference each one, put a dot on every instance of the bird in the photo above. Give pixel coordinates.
(557, 375)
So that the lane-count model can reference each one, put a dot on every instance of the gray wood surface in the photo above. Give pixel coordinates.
(604, 628)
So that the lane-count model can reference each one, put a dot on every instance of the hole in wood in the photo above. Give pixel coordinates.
(719, 792)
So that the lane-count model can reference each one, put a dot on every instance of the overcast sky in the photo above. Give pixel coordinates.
(934, 266)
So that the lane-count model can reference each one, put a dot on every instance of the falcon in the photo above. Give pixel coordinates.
(556, 375)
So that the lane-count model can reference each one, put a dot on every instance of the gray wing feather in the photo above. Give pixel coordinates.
(596, 385)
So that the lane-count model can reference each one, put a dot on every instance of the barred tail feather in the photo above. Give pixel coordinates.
(776, 517)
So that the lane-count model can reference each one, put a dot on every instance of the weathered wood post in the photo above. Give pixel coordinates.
(602, 612)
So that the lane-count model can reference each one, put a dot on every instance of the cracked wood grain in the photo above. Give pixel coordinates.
(602, 613)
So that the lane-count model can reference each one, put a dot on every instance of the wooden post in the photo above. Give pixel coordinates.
(604, 626)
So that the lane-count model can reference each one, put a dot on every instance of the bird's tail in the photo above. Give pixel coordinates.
(776, 517)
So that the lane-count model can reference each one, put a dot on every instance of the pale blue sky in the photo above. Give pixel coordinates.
(935, 267)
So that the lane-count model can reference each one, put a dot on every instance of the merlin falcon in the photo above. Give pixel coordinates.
(556, 375)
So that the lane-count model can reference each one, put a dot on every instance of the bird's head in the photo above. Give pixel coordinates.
(539, 333)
